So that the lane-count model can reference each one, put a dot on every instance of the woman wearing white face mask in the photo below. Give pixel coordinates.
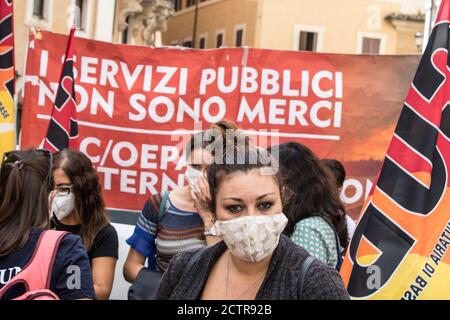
(170, 223)
(255, 261)
(77, 207)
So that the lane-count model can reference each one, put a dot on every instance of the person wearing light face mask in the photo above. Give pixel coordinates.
(77, 206)
(192, 176)
(63, 202)
(254, 260)
(170, 222)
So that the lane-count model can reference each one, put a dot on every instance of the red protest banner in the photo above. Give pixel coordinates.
(138, 106)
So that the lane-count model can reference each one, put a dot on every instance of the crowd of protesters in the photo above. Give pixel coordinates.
(251, 223)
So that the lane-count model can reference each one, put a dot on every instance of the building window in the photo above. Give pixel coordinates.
(239, 37)
(39, 13)
(202, 43)
(80, 7)
(125, 31)
(202, 40)
(371, 46)
(307, 41)
(308, 38)
(189, 3)
(19, 119)
(177, 5)
(38, 8)
(371, 43)
(187, 44)
(219, 40)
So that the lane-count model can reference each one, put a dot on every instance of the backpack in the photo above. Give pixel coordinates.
(146, 284)
(36, 275)
(340, 255)
(159, 202)
(304, 268)
(338, 247)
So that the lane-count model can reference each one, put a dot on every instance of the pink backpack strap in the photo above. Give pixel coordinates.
(37, 274)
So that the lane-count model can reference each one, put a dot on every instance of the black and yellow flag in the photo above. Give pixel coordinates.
(7, 117)
(400, 249)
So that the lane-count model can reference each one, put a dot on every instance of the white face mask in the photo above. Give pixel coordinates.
(252, 238)
(63, 206)
(192, 176)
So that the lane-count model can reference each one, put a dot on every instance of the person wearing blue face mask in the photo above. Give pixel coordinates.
(170, 223)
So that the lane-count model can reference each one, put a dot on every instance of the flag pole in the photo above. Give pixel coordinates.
(194, 36)
(428, 23)
(62, 131)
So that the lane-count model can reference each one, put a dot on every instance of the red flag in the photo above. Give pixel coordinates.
(63, 128)
(400, 247)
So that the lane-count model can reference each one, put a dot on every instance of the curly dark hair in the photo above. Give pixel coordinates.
(89, 203)
(312, 189)
(217, 134)
(338, 171)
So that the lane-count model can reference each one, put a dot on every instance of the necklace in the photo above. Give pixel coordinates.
(253, 284)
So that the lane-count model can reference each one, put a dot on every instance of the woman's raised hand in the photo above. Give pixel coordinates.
(202, 199)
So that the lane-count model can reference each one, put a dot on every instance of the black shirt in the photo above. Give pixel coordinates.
(106, 242)
(71, 252)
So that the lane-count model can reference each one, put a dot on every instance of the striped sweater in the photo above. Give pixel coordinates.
(178, 231)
